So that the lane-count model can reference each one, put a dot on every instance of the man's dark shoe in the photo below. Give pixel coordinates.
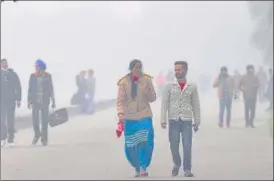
(35, 140)
(175, 171)
(188, 174)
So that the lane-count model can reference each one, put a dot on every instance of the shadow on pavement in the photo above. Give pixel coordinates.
(26, 121)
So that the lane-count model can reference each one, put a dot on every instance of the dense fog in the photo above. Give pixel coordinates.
(72, 36)
(105, 36)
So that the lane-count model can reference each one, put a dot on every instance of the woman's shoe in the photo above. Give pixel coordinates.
(137, 174)
(144, 173)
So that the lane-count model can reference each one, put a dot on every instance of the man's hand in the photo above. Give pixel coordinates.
(195, 127)
(29, 105)
(163, 125)
(18, 104)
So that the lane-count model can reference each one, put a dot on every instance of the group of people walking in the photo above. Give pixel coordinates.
(180, 110)
(250, 85)
(40, 96)
(39, 99)
(180, 105)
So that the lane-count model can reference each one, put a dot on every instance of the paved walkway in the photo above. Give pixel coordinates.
(87, 148)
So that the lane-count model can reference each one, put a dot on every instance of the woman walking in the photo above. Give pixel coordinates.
(135, 94)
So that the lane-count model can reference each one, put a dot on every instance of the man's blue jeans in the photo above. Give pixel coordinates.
(250, 110)
(177, 129)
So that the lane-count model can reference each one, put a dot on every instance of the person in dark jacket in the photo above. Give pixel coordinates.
(40, 95)
(10, 98)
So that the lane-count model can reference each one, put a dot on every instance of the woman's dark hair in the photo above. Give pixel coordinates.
(133, 63)
(183, 63)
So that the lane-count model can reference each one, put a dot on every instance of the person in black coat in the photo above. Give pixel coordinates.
(40, 95)
(10, 97)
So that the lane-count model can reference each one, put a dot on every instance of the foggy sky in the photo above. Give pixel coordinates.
(105, 36)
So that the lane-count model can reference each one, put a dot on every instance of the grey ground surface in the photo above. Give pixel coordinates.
(87, 148)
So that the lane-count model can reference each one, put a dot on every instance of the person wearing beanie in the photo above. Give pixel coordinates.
(40, 95)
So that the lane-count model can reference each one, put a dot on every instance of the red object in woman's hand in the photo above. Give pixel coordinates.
(120, 129)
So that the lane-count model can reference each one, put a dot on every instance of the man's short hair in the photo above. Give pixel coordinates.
(183, 63)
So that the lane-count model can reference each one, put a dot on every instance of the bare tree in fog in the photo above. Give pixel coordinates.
(262, 14)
